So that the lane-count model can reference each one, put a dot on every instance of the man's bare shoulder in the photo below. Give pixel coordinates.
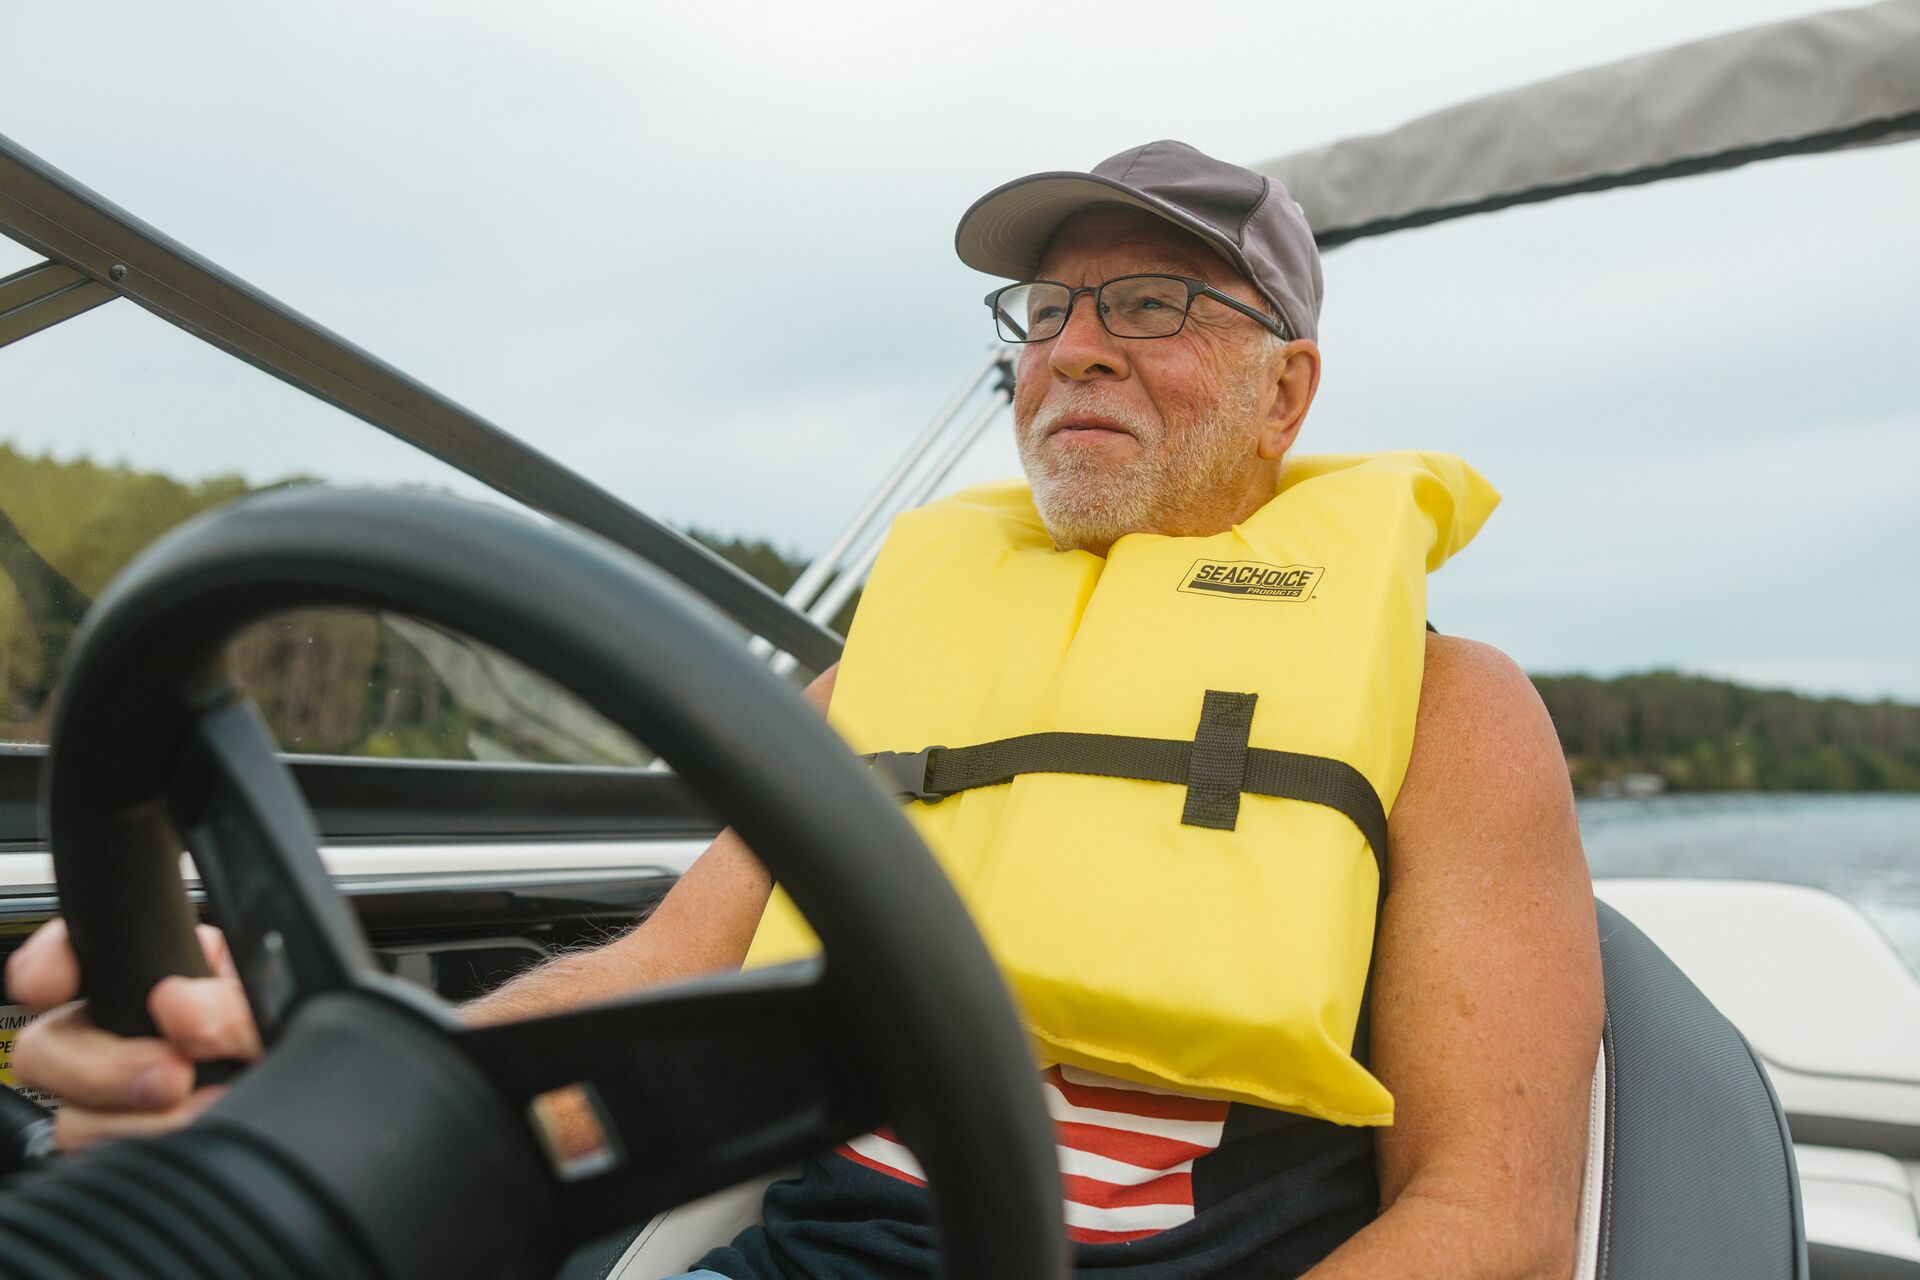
(1484, 747)
(1465, 675)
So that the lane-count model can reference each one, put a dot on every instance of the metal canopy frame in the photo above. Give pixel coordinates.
(43, 295)
(98, 251)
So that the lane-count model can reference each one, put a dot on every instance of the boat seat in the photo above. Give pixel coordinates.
(1862, 1223)
(672, 1241)
(1690, 1170)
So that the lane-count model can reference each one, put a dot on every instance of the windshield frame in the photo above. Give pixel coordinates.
(79, 231)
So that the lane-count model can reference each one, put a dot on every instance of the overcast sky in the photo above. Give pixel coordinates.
(702, 253)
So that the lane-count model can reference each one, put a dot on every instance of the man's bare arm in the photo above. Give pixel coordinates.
(1487, 1002)
(703, 925)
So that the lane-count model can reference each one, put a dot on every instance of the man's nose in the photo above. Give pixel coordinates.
(1084, 350)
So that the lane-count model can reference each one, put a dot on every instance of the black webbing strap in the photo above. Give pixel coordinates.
(1217, 768)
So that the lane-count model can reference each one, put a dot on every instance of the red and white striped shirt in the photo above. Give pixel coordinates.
(1126, 1153)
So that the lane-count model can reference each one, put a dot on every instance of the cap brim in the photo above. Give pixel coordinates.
(1006, 232)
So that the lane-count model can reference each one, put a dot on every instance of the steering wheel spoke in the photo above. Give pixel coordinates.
(253, 839)
(674, 1093)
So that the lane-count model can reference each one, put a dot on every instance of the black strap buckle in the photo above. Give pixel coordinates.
(906, 775)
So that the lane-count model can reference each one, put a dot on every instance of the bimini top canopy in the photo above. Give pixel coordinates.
(1840, 79)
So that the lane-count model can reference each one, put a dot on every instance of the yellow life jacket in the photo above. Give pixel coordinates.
(1201, 931)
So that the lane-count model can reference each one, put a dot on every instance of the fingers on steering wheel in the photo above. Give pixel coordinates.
(207, 1019)
(213, 944)
(43, 973)
(75, 1128)
(64, 1053)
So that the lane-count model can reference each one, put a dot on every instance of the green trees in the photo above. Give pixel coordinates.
(66, 527)
(1701, 734)
(764, 561)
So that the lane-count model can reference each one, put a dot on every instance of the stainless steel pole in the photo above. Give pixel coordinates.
(847, 583)
(808, 585)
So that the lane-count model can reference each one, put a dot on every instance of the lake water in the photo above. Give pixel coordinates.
(1864, 848)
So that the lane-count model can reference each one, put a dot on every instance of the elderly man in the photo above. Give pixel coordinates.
(1422, 1114)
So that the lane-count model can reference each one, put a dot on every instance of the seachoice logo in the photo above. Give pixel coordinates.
(1252, 579)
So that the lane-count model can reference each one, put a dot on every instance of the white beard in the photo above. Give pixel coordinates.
(1089, 503)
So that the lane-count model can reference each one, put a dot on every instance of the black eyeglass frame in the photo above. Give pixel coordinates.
(1195, 289)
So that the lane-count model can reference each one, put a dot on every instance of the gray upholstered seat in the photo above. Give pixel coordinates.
(1690, 1167)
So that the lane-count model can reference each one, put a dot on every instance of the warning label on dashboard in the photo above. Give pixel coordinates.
(12, 1018)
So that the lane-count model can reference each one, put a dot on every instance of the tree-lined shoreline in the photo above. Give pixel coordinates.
(342, 683)
(1697, 733)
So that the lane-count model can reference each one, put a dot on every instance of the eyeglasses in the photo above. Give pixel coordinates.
(1129, 307)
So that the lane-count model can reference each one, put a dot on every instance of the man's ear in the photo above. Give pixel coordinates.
(1295, 370)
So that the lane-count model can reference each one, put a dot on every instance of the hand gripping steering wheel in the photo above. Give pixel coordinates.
(383, 1138)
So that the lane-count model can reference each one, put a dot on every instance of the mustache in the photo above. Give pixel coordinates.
(1059, 410)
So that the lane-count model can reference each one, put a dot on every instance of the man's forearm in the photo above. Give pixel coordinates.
(703, 925)
(1435, 1240)
(572, 981)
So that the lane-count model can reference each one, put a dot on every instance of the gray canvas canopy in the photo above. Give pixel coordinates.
(1846, 78)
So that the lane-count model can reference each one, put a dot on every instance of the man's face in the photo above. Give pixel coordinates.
(1127, 435)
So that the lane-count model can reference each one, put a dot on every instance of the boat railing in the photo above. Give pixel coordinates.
(829, 581)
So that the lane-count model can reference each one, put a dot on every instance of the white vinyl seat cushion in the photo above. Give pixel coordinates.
(1858, 1200)
(673, 1241)
(1593, 1181)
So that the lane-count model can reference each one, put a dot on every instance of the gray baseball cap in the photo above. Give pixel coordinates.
(1250, 220)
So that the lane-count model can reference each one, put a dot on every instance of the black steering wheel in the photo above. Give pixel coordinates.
(382, 1137)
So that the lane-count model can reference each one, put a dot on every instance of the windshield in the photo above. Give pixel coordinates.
(120, 427)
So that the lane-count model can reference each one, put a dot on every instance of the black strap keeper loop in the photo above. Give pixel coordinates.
(1217, 769)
